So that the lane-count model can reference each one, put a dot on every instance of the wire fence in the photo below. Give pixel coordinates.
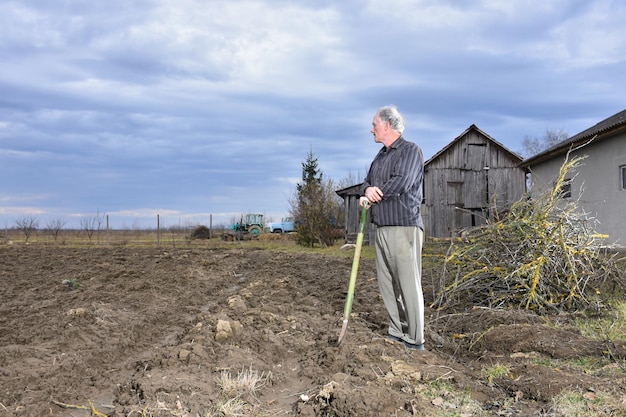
(75, 237)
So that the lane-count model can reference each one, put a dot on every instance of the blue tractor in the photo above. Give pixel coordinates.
(251, 226)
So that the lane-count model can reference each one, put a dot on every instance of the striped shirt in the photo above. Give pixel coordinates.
(398, 171)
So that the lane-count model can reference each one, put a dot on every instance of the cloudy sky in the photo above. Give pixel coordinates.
(193, 108)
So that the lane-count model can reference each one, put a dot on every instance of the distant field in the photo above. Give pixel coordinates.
(112, 237)
(179, 239)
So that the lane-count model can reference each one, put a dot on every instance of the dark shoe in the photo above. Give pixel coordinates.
(394, 338)
(407, 344)
(412, 346)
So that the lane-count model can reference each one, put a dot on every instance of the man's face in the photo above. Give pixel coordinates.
(378, 130)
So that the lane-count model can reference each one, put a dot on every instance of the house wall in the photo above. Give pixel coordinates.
(596, 183)
(460, 192)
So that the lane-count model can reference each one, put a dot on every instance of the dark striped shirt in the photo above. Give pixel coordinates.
(398, 171)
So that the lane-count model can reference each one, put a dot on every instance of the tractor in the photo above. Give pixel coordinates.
(251, 227)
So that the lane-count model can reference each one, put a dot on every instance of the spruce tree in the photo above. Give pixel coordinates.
(316, 208)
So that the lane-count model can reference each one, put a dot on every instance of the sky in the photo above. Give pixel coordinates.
(198, 111)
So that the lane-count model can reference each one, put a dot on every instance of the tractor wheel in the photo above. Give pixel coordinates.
(255, 230)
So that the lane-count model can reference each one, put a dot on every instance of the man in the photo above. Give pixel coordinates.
(393, 189)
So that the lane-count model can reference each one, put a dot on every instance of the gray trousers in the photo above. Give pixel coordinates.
(399, 272)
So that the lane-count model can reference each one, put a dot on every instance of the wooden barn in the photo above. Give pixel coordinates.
(352, 213)
(469, 181)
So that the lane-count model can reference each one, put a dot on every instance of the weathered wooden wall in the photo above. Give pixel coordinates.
(352, 213)
(467, 183)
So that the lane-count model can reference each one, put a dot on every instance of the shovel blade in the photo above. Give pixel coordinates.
(342, 335)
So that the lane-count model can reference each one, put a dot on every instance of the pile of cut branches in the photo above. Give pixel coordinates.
(542, 255)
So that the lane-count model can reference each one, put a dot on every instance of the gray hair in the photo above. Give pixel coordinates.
(391, 115)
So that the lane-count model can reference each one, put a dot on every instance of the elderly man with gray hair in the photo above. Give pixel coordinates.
(393, 191)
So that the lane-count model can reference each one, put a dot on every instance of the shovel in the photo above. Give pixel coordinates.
(355, 269)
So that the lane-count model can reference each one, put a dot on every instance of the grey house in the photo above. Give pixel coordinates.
(471, 180)
(599, 184)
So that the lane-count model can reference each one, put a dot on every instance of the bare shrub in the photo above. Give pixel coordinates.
(544, 254)
(54, 226)
(92, 224)
(28, 225)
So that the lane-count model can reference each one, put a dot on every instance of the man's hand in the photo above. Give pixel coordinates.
(373, 194)
(363, 201)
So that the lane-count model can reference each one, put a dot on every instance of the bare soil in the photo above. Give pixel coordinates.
(150, 331)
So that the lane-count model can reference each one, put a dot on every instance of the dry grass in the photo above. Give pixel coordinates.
(246, 382)
(572, 403)
(238, 391)
(282, 237)
(180, 239)
(449, 401)
(609, 326)
(233, 407)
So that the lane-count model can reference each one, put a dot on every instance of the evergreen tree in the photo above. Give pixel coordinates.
(316, 207)
(311, 174)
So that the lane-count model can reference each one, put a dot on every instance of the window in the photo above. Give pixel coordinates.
(623, 175)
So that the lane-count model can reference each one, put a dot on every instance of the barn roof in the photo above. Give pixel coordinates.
(458, 138)
(351, 190)
(599, 131)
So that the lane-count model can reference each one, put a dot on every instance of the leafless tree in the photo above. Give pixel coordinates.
(54, 226)
(99, 220)
(91, 224)
(533, 146)
(28, 225)
(351, 179)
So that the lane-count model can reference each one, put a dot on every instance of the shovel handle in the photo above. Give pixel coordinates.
(353, 273)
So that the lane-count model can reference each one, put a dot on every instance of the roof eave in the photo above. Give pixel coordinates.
(568, 145)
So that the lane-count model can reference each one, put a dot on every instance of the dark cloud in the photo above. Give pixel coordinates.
(191, 109)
